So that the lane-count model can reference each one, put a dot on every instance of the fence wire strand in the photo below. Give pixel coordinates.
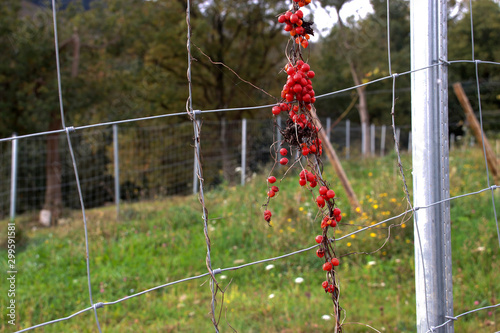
(478, 89)
(214, 286)
(234, 268)
(197, 130)
(73, 160)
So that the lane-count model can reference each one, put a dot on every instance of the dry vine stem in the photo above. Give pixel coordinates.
(301, 134)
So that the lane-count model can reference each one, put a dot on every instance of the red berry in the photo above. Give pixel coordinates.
(320, 201)
(302, 182)
(323, 190)
(290, 70)
(330, 194)
(275, 189)
(320, 253)
(305, 151)
(283, 151)
(294, 18)
(284, 107)
(335, 262)
(311, 74)
(271, 179)
(327, 266)
(336, 211)
(333, 223)
(319, 239)
(305, 68)
(297, 88)
(288, 27)
(276, 110)
(313, 184)
(299, 13)
(267, 215)
(331, 288)
(288, 14)
(284, 161)
(310, 177)
(282, 19)
(271, 194)
(303, 174)
(325, 284)
(338, 218)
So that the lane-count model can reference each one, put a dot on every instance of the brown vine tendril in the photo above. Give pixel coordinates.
(301, 134)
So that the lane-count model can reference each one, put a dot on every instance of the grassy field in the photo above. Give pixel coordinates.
(162, 241)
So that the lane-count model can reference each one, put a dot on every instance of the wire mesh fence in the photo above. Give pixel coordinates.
(153, 161)
(145, 176)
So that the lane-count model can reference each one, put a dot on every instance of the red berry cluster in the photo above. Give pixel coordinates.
(297, 27)
(301, 134)
(299, 85)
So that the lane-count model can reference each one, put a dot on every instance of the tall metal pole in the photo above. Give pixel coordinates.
(347, 139)
(117, 170)
(243, 150)
(433, 277)
(13, 178)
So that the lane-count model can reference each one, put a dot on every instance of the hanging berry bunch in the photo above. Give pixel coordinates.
(300, 133)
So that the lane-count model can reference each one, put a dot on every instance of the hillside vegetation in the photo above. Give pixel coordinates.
(162, 241)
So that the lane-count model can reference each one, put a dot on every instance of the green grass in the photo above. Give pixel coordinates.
(162, 241)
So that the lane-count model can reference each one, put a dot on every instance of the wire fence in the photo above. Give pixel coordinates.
(103, 139)
(151, 162)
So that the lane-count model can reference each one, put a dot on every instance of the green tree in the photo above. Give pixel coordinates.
(486, 18)
(355, 51)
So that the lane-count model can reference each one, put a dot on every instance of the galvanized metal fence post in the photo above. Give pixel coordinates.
(347, 139)
(409, 141)
(13, 178)
(364, 130)
(382, 140)
(278, 133)
(117, 170)
(196, 164)
(329, 129)
(433, 276)
(372, 139)
(243, 150)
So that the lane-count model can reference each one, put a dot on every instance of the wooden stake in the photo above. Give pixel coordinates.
(476, 129)
(333, 158)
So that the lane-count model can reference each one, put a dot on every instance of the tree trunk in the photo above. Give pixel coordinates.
(362, 106)
(362, 109)
(226, 162)
(53, 197)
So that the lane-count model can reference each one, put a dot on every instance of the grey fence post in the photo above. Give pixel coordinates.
(117, 169)
(372, 139)
(409, 141)
(347, 139)
(329, 128)
(278, 133)
(243, 150)
(429, 105)
(195, 165)
(364, 129)
(382, 140)
(13, 178)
